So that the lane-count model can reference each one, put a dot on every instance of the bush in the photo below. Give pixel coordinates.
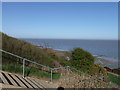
(24, 49)
(99, 70)
(82, 60)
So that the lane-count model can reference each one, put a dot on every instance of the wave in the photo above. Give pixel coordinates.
(111, 59)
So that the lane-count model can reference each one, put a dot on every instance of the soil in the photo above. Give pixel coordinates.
(76, 80)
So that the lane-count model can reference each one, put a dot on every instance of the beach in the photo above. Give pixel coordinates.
(105, 49)
(101, 61)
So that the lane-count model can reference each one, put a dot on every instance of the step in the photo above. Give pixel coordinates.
(41, 83)
(28, 85)
(31, 79)
(12, 81)
(3, 78)
(31, 83)
(8, 86)
(45, 84)
(20, 83)
(15, 80)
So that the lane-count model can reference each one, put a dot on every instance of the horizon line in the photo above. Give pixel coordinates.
(67, 38)
(61, 38)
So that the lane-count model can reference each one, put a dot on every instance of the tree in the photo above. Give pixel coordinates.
(82, 60)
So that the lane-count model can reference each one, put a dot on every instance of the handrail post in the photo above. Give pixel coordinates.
(23, 68)
(51, 75)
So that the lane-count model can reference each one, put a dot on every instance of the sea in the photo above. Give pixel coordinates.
(105, 49)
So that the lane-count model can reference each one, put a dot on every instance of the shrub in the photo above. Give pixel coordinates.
(82, 60)
(99, 70)
(24, 49)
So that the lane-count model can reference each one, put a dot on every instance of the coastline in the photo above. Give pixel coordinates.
(106, 61)
(101, 61)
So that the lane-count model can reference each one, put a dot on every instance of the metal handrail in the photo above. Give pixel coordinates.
(24, 59)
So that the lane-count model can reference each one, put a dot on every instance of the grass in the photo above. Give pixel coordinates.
(113, 78)
(30, 71)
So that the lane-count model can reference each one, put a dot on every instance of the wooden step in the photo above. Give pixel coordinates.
(39, 82)
(35, 82)
(1, 80)
(8, 87)
(31, 83)
(28, 82)
(43, 83)
(4, 79)
(16, 80)
(21, 84)
(28, 85)
(12, 81)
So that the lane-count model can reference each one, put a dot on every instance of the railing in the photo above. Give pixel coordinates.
(51, 69)
(24, 59)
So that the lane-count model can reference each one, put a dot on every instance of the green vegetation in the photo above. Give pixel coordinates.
(82, 60)
(29, 51)
(26, 50)
(114, 78)
(98, 70)
(30, 71)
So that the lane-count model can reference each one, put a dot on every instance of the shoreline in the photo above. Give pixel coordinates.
(96, 58)
(100, 61)
(106, 61)
(111, 67)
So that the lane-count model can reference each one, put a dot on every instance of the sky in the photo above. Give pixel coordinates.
(60, 20)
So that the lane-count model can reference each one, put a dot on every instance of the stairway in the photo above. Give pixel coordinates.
(10, 80)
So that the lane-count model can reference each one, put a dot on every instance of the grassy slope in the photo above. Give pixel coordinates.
(113, 78)
(30, 71)
(25, 50)
(29, 51)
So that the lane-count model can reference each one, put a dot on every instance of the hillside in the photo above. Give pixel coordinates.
(53, 58)
(26, 50)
